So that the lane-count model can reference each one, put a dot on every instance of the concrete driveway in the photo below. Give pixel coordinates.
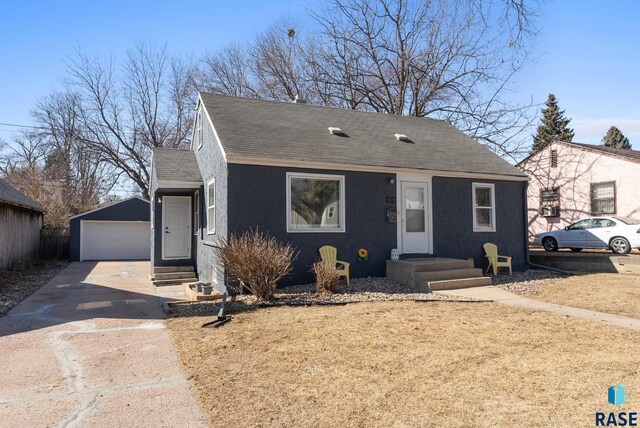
(90, 348)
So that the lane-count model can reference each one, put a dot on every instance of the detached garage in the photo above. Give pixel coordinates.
(118, 231)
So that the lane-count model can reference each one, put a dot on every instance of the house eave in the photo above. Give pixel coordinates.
(169, 184)
(287, 163)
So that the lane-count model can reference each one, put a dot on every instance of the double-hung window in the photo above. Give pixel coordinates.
(484, 207)
(199, 128)
(603, 198)
(196, 212)
(315, 203)
(211, 207)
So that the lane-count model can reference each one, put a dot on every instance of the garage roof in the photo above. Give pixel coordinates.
(108, 205)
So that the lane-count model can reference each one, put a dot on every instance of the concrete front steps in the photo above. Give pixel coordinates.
(437, 273)
(173, 275)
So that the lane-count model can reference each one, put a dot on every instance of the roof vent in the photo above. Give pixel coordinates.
(299, 100)
(335, 131)
(401, 137)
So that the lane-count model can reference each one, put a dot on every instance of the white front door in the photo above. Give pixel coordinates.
(414, 217)
(176, 227)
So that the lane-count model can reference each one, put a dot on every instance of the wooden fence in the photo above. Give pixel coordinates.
(54, 247)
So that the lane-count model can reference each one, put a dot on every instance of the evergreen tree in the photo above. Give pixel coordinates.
(616, 139)
(553, 127)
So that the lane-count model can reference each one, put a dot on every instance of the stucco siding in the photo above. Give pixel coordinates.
(453, 234)
(257, 199)
(577, 168)
(19, 235)
(212, 166)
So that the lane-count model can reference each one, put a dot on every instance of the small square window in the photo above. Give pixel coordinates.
(550, 197)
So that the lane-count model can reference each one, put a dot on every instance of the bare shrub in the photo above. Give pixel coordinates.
(327, 277)
(256, 261)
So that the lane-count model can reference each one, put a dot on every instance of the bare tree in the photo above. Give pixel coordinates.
(452, 60)
(147, 104)
(51, 164)
(424, 58)
(22, 164)
(278, 61)
(229, 72)
(272, 67)
(68, 160)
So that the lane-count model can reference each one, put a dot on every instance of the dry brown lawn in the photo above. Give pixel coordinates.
(605, 292)
(406, 364)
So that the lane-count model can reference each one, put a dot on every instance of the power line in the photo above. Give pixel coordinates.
(21, 126)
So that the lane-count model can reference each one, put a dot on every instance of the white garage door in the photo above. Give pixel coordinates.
(115, 240)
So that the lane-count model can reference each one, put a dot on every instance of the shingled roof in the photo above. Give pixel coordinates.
(625, 153)
(175, 165)
(11, 195)
(250, 128)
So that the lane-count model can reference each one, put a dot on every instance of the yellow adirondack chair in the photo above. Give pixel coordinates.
(329, 255)
(494, 258)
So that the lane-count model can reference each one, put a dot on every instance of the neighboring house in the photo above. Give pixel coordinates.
(20, 226)
(571, 180)
(282, 168)
(118, 230)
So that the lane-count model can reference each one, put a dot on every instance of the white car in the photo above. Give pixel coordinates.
(619, 234)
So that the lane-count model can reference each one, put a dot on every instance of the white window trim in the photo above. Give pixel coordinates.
(343, 198)
(211, 222)
(196, 213)
(477, 228)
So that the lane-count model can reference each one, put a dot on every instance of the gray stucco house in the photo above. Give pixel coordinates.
(317, 176)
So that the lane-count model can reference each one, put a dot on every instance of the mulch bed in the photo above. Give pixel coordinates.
(526, 282)
(360, 290)
(18, 284)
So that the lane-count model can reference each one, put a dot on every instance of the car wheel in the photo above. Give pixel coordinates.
(576, 250)
(550, 244)
(620, 245)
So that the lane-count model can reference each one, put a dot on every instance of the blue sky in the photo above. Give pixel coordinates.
(587, 51)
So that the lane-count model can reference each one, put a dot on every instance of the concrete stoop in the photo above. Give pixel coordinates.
(173, 275)
(438, 273)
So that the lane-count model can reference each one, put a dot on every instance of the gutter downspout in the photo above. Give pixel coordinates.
(526, 238)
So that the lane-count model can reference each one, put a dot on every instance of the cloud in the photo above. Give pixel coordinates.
(589, 130)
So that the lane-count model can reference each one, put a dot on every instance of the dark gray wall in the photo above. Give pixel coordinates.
(131, 210)
(212, 165)
(453, 234)
(257, 198)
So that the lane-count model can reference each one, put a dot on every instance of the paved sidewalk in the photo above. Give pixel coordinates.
(501, 296)
(90, 348)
